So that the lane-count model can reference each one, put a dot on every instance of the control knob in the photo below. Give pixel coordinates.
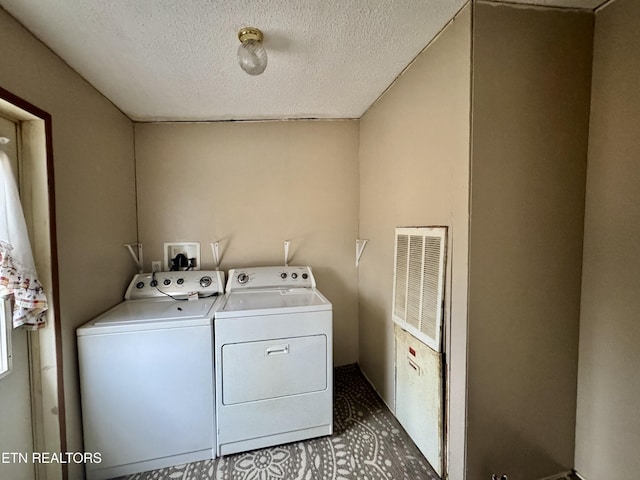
(180, 281)
(305, 276)
(166, 281)
(283, 275)
(205, 281)
(294, 275)
(153, 283)
(140, 285)
(242, 278)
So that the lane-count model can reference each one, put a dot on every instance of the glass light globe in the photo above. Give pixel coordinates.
(252, 57)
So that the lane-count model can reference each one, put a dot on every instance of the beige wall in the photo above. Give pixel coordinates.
(251, 186)
(608, 419)
(95, 191)
(414, 163)
(531, 86)
(323, 184)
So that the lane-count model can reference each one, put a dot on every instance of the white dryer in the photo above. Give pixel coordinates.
(274, 363)
(146, 375)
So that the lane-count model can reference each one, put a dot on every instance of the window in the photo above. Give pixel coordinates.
(5, 337)
(10, 133)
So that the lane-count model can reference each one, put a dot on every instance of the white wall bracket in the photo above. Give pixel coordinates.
(136, 254)
(215, 251)
(360, 244)
(287, 243)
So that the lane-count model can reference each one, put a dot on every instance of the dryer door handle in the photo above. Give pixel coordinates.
(276, 350)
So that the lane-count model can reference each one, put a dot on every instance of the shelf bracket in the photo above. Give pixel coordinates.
(360, 244)
(136, 254)
(287, 243)
(215, 250)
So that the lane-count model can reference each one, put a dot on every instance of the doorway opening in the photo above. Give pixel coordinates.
(36, 356)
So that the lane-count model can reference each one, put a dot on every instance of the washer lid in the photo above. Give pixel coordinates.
(272, 301)
(146, 313)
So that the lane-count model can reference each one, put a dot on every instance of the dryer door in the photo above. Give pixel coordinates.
(275, 368)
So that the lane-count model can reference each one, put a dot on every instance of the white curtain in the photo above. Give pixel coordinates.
(18, 276)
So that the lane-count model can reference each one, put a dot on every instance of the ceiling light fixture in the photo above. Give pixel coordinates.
(252, 56)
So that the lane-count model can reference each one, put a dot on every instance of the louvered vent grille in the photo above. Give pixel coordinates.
(419, 282)
(416, 247)
(402, 254)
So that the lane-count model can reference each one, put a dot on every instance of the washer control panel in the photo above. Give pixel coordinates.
(270, 277)
(184, 284)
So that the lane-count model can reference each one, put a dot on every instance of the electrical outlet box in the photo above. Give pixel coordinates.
(156, 266)
(191, 251)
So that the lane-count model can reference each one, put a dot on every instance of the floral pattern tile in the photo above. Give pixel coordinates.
(368, 444)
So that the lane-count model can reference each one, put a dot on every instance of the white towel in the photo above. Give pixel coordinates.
(18, 277)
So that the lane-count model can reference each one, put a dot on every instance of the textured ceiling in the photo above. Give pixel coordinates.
(176, 60)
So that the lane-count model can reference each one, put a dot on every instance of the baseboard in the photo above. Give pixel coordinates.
(558, 476)
(392, 410)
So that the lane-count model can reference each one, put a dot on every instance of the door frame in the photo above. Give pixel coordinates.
(45, 345)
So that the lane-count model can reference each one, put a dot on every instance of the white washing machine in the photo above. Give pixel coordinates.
(146, 375)
(274, 363)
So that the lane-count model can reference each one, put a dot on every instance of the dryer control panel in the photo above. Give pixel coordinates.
(185, 284)
(270, 277)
